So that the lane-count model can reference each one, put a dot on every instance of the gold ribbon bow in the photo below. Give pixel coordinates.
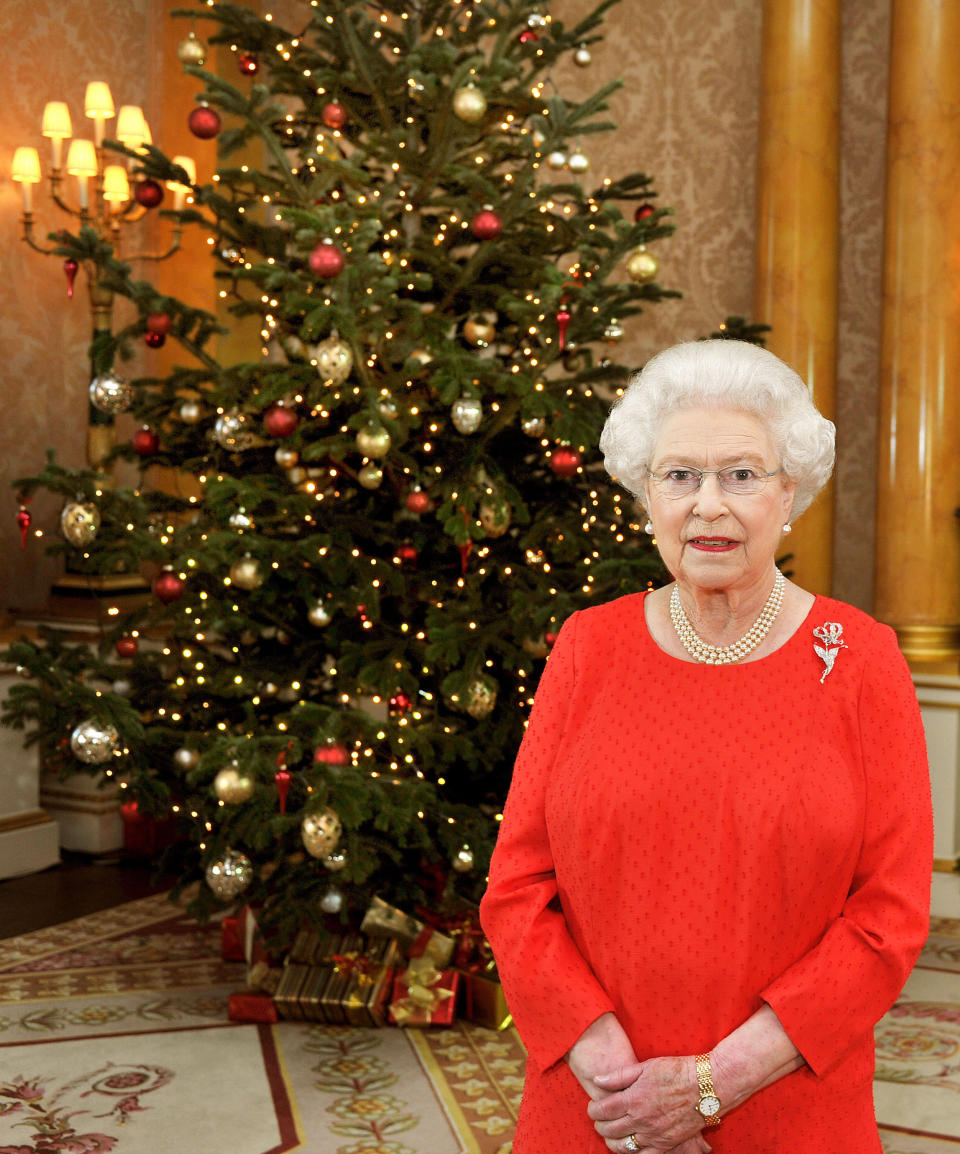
(423, 994)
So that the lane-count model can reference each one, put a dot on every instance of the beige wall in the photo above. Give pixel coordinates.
(687, 115)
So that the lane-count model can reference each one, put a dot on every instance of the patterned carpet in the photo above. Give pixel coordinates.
(114, 1037)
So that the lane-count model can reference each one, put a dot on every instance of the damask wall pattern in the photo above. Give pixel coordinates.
(687, 114)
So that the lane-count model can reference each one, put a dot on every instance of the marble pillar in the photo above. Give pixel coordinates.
(797, 226)
(918, 483)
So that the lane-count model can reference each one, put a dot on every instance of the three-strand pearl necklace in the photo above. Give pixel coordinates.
(726, 654)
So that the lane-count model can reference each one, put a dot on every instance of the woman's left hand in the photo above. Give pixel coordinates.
(653, 1100)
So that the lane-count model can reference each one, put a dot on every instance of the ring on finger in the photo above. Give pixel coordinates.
(631, 1142)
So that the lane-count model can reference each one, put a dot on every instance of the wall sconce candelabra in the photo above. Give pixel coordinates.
(106, 197)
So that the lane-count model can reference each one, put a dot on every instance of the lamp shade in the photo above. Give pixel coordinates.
(116, 187)
(81, 158)
(26, 166)
(56, 120)
(131, 126)
(98, 100)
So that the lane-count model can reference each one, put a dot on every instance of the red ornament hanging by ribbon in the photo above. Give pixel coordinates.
(282, 779)
(563, 319)
(70, 269)
(24, 519)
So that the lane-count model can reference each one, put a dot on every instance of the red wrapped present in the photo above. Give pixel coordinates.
(251, 1006)
(231, 947)
(424, 995)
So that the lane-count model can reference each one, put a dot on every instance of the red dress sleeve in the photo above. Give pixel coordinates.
(550, 989)
(837, 992)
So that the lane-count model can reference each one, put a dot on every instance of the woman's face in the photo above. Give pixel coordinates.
(710, 539)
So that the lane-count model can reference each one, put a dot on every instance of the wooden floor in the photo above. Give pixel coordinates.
(80, 885)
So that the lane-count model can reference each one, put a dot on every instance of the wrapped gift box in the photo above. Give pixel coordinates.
(482, 1001)
(337, 979)
(251, 1006)
(424, 995)
(416, 938)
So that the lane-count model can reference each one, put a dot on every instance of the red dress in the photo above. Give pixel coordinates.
(684, 842)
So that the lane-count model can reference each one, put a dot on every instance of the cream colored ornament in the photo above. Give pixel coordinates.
(466, 414)
(373, 442)
(469, 104)
(582, 57)
(334, 360)
(642, 266)
(285, 456)
(191, 412)
(233, 787)
(185, 759)
(297, 475)
(578, 162)
(463, 860)
(370, 476)
(318, 615)
(321, 832)
(246, 573)
(557, 159)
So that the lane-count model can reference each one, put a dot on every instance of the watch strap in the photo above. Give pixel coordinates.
(708, 1105)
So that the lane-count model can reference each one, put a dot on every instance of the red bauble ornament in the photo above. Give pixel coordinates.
(154, 340)
(417, 501)
(327, 260)
(282, 779)
(406, 554)
(279, 421)
(148, 192)
(24, 520)
(563, 319)
(465, 550)
(486, 225)
(70, 268)
(159, 323)
(528, 36)
(331, 754)
(401, 702)
(127, 646)
(642, 212)
(167, 587)
(248, 63)
(145, 441)
(565, 461)
(204, 122)
(550, 638)
(333, 115)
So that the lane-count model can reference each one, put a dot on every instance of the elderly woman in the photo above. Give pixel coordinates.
(712, 877)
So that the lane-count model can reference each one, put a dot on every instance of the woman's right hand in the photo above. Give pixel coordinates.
(603, 1046)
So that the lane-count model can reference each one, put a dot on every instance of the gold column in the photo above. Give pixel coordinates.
(797, 219)
(918, 482)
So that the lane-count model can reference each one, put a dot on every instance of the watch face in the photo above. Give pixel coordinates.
(709, 1105)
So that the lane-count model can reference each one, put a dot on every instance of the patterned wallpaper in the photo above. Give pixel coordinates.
(687, 112)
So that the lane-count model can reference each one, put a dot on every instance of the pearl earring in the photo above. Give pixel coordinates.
(648, 528)
(788, 528)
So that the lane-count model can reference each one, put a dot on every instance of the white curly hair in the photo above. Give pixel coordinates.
(720, 374)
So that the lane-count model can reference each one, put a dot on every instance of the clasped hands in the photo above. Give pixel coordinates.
(653, 1100)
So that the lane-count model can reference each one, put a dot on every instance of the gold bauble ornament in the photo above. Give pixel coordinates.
(373, 442)
(642, 266)
(229, 875)
(578, 162)
(321, 832)
(190, 50)
(480, 697)
(613, 333)
(334, 360)
(466, 414)
(582, 57)
(79, 522)
(233, 787)
(191, 412)
(370, 476)
(495, 517)
(469, 104)
(318, 615)
(185, 759)
(297, 475)
(557, 159)
(336, 861)
(285, 456)
(479, 332)
(463, 860)
(534, 426)
(246, 573)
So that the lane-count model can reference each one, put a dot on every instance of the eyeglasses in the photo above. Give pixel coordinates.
(738, 480)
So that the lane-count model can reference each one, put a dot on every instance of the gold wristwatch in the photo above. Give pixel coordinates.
(708, 1106)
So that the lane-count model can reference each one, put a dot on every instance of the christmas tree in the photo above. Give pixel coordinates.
(380, 520)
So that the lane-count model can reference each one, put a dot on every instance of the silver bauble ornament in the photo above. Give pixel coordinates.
(190, 50)
(536, 20)
(481, 697)
(240, 521)
(578, 162)
(191, 412)
(94, 742)
(246, 573)
(79, 522)
(229, 876)
(233, 431)
(557, 159)
(582, 56)
(642, 266)
(111, 394)
(467, 414)
(387, 408)
(232, 786)
(332, 901)
(495, 517)
(318, 615)
(334, 359)
(286, 457)
(370, 476)
(469, 104)
(321, 832)
(122, 687)
(185, 759)
(373, 442)
(336, 861)
(534, 426)
(613, 333)
(464, 860)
